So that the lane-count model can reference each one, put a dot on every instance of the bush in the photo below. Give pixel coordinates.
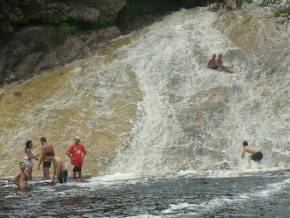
(240, 2)
(282, 12)
(67, 28)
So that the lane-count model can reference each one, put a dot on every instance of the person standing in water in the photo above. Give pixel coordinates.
(21, 178)
(45, 149)
(251, 149)
(59, 169)
(77, 153)
(29, 156)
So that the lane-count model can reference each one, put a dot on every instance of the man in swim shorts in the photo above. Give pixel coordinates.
(77, 153)
(45, 149)
(21, 178)
(251, 149)
(59, 169)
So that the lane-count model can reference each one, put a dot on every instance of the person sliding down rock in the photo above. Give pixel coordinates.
(255, 155)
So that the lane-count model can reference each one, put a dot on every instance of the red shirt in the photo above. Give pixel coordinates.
(76, 152)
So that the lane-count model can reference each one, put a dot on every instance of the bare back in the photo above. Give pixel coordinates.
(58, 165)
(250, 149)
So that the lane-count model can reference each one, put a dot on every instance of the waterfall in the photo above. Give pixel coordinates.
(152, 106)
(193, 118)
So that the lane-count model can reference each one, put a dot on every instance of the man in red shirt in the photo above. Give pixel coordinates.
(76, 153)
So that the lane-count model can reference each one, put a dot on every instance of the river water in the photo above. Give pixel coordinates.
(254, 194)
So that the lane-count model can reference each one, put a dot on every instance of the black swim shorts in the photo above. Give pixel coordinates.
(77, 169)
(46, 164)
(62, 178)
(257, 156)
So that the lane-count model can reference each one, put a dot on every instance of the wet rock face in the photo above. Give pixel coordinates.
(85, 14)
(34, 50)
(41, 35)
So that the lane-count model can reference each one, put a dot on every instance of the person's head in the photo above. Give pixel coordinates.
(245, 143)
(28, 144)
(22, 165)
(43, 140)
(220, 56)
(213, 56)
(77, 140)
(50, 155)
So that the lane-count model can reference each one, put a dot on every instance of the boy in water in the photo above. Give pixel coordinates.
(59, 169)
(21, 178)
(76, 153)
(255, 155)
(45, 149)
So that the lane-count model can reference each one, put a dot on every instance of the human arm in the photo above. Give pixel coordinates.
(41, 158)
(31, 155)
(15, 179)
(243, 153)
(55, 172)
(69, 152)
(84, 152)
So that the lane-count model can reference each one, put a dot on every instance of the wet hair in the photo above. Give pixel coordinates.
(245, 143)
(43, 139)
(50, 154)
(28, 144)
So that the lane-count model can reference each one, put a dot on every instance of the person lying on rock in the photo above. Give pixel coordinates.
(222, 67)
(21, 178)
(251, 149)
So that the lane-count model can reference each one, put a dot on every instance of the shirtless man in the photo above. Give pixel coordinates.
(221, 66)
(59, 168)
(21, 178)
(212, 63)
(45, 149)
(255, 155)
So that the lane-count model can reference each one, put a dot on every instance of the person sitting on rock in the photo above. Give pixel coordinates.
(212, 63)
(221, 66)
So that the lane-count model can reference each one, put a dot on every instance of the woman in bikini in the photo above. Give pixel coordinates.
(29, 156)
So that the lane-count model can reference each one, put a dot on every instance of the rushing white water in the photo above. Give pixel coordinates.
(192, 118)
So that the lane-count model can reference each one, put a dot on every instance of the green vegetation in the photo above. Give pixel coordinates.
(282, 12)
(240, 2)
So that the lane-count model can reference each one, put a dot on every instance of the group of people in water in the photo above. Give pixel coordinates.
(76, 153)
(217, 64)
